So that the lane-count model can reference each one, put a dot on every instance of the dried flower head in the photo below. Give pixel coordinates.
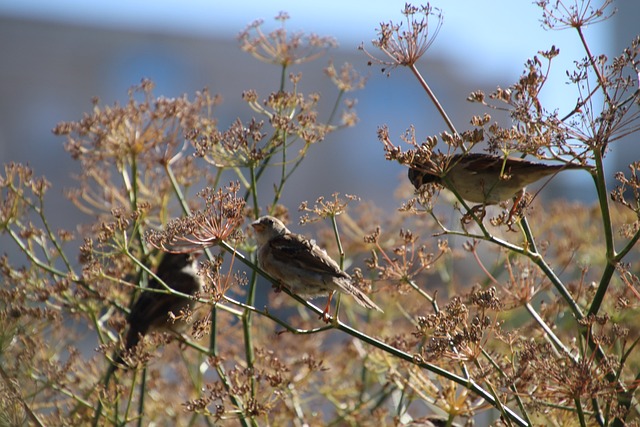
(293, 118)
(219, 220)
(347, 79)
(216, 282)
(112, 135)
(562, 379)
(126, 148)
(558, 15)
(597, 125)
(238, 146)
(629, 186)
(323, 209)
(15, 186)
(455, 332)
(403, 262)
(406, 47)
(282, 47)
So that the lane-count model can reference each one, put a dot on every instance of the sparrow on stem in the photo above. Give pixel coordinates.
(485, 179)
(301, 265)
(151, 311)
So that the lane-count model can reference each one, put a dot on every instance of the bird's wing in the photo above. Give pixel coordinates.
(480, 163)
(521, 170)
(155, 305)
(297, 251)
(148, 312)
(177, 280)
(150, 306)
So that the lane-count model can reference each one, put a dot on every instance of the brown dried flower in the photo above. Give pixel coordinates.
(282, 47)
(558, 15)
(323, 209)
(219, 220)
(406, 47)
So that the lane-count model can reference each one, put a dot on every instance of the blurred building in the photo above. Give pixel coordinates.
(50, 71)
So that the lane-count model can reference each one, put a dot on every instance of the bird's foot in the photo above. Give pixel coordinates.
(326, 316)
(520, 203)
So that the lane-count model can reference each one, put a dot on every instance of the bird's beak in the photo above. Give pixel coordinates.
(257, 226)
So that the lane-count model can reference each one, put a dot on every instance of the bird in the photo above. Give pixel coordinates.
(484, 178)
(151, 310)
(301, 265)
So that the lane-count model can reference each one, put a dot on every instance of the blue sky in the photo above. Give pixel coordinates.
(486, 40)
(484, 35)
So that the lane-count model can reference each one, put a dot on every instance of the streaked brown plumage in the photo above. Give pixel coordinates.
(301, 265)
(476, 176)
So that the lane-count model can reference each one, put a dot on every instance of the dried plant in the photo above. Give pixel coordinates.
(532, 318)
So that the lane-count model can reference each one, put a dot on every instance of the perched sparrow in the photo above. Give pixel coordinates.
(301, 265)
(476, 176)
(151, 309)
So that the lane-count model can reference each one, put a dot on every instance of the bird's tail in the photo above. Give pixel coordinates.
(360, 297)
(133, 337)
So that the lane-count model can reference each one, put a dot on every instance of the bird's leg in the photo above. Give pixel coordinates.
(325, 316)
(516, 203)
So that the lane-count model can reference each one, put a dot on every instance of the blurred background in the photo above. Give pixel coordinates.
(57, 55)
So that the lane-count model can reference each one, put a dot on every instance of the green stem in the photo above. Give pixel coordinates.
(133, 193)
(335, 107)
(277, 320)
(246, 328)
(295, 165)
(603, 200)
(283, 172)
(425, 295)
(557, 283)
(283, 78)
(132, 190)
(254, 193)
(583, 422)
(434, 99)
(177, 190)
(143, 393)
(526, 229)
(532, 253)
(31, 256)
(468, 383)
(494, 393)
(213, 349)
(247, 318)
(535, 257)
(512, 387)
(52, 236)
(549, 333)
(336, 233)
(258, 174)
(592, 60)
(414, 359)
(627, 248)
